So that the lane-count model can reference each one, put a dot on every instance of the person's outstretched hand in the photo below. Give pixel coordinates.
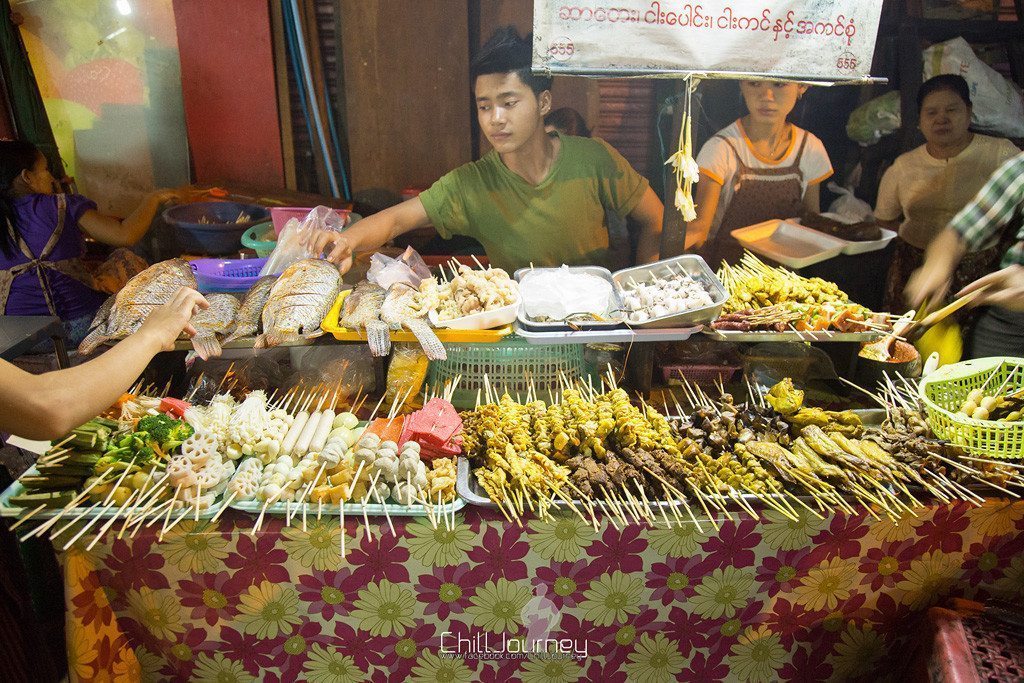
(180, 195)
(167, 322)
(1005, 288)
(334, 244)
(927, 283)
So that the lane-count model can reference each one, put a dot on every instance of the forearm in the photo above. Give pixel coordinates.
(648, 249)
(136, 225)
(945, 252)
(49, 405)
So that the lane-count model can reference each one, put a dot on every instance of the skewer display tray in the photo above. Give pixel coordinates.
(282, 509)
(331, 326)
(9, 509)
(791, 336)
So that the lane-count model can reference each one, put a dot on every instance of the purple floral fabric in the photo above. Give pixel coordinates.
(757, 600)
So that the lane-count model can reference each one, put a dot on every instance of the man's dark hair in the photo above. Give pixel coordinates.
(506, 52)
(951, 82)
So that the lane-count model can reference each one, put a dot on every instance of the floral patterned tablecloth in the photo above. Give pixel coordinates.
(760, 600)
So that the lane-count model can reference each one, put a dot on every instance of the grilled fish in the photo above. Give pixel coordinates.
(219, 318)
(404, 307)
(298, 302)
(362, 310)
(149, 289)
(248, 319)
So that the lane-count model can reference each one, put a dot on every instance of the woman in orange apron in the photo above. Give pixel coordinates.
(758, 168)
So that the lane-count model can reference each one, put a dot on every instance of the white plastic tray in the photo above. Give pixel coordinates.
(483, 320)
(853, 248)
(372, 509)
(789, 243)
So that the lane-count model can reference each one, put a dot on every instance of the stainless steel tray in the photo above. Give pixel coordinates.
(559, 326)
(695, 267)
(619, 336)
(790, 336)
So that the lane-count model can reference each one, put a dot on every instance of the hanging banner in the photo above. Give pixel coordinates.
(813, 40)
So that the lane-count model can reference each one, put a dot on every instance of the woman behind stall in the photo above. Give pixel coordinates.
(924, 188)
(42, 240)
(758, 168)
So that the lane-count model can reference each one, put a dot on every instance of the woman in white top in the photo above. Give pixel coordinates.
(924, 188)
(758, 168)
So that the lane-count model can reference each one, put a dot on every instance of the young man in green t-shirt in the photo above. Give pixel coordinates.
(532, 199)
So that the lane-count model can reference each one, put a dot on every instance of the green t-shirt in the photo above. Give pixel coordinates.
(561, 220)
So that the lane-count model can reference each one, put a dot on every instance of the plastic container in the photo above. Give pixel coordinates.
(280, 215)
(788, 243)
(227, 275)
(695, 267)
(704, 375)
(511, 365)
(484, 320)
(251, 239)
(945, 390)
(221, 235)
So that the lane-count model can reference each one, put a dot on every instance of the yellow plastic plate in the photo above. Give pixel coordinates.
(330, 326)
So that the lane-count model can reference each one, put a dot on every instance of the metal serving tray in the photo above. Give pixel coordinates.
(695, 267)
(558, 326)
(623, 335)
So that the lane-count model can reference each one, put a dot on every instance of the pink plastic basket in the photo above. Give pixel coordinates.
(704, 375)
(226, 275)
(280, 215)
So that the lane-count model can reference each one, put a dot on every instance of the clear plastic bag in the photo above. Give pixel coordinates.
(996, 102)
(406, 374)
(409, 268)
(349, 364)
(289, 247)
(847, 208)
(874, 119)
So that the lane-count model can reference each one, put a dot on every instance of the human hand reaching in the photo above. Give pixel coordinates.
(166, 323)
(332, 243)
(1003, 288)
(929, 283)
(179, 195)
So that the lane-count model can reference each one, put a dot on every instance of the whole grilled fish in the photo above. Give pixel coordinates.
(248, 319)
(298, 302)
(219, 318)
(149, 289)
(404, 307)
(362, 310)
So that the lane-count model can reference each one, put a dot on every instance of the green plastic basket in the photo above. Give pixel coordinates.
(262, 247)
(945, 390)
(511, 364)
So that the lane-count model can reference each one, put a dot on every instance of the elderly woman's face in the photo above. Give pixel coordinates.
(944, 118)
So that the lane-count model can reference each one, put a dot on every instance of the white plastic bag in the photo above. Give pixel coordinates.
(408, 268)
(998, 107)
(846, 208)
(289, 247)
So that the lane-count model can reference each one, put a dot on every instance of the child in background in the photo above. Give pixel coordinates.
(758, 168)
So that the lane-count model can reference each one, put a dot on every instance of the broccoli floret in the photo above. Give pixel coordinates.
(164, 431)
(158, 427)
